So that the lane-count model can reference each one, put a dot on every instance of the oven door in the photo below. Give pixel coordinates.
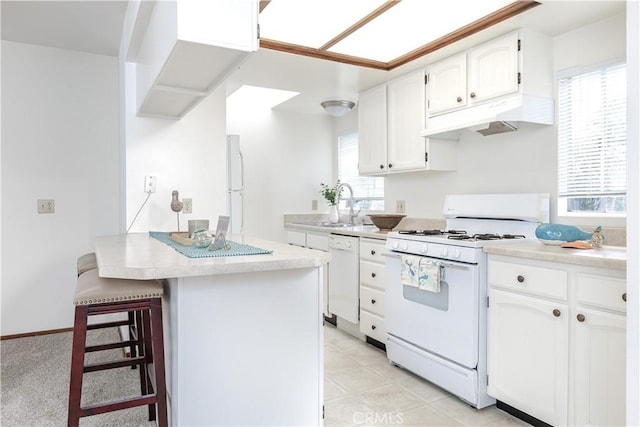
(443, 323)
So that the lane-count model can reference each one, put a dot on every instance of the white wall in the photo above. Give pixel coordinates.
(59, 141)
(522, 161)
(633, 214)
(188, 155)
(286, 157)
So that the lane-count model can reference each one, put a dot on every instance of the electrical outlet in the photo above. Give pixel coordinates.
(400, 206)
(187, 206)
(314, 205)
(46, 206)
(150, 184)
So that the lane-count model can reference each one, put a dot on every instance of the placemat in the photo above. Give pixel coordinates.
(235, 249)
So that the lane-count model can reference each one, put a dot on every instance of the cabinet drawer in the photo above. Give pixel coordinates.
(315, 241)
(602, 291)
(372, 250)
(372, 300)
(296, 238)
(373, 326)
(372, 274)
(529, 279)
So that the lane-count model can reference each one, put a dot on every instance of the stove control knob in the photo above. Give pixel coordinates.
(395, 244)
(405, 246)
(457, 253)
(423, 248)
(444, 252)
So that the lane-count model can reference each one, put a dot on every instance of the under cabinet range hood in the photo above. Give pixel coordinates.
(503, 115)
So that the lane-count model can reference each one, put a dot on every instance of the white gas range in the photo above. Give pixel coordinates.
(441, 335)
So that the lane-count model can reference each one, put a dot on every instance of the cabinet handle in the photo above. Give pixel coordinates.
(373, 327)
(580, 317)
(520, 279)
(373, 252)
(624, 297)
(390, 165)
(459, 99)
(556, 312)
(373, 301)
(473, 94)
(373, 274)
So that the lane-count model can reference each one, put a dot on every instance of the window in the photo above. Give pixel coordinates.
(368, 190)
(592, 140)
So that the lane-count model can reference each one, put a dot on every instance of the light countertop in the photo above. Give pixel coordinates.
(614, 257)
(139, 256)
(370, 231)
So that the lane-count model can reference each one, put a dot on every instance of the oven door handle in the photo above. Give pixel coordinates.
(443, 263)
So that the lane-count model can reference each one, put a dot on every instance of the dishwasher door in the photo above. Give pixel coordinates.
(344, 277)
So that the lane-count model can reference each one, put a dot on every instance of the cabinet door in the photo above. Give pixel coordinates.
(372, 129)
(406, 105)
(600, 358)
(447, 85)
(527, 353)
(493, 69)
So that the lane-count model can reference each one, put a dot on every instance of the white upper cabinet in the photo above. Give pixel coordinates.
(390, 118)
(372, 131)
(493, 70)
(188, 48)
(405, 118)
(448, 84)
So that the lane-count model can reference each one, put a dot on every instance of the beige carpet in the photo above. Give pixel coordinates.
(34, 383)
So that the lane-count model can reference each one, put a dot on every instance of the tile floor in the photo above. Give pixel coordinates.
(362, 388)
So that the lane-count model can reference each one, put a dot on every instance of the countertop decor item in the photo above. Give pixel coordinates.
(597, 238)
(386, 222)
(330, 194)
(557, 234)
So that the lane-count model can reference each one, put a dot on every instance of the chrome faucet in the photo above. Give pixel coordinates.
(352, 214)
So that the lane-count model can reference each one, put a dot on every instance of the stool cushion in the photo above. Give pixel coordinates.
(87, 262)
(93, 289)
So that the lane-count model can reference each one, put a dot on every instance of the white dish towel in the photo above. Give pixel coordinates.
(421, 273)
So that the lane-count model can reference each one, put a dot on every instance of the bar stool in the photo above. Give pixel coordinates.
(94, 296)
(88, 262)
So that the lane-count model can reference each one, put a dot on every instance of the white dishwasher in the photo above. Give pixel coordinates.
(344, 280)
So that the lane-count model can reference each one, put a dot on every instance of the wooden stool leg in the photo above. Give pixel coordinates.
(77, 364)
(132, 329)
(148, 359)
(140, 345)
(158, 360)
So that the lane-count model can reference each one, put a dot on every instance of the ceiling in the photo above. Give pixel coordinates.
(85, 26)
(381, 34)
(96, 26)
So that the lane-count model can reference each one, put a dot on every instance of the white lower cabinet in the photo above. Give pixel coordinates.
(319, 242)
(600, 351)
(372, 289)
(556, 340)
(528, 354)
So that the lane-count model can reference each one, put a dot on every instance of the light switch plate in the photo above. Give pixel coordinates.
(187, 206)
(400, 208)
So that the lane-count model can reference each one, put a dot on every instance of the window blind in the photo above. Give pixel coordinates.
(364, 187)
(592, 133)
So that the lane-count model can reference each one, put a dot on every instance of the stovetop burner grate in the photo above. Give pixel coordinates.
(433, 232)
(486, 236)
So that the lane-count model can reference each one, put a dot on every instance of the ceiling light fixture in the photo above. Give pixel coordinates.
(338, 108)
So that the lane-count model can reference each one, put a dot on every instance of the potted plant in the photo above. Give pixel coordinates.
(331, 195)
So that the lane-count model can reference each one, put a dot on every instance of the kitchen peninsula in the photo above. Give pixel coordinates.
(243, 334)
